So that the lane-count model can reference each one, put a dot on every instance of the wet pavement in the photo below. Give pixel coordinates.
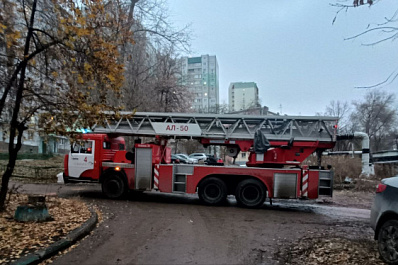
(157, 228)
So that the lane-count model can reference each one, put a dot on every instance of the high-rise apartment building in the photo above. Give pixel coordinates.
(200, 75)
(243, 95)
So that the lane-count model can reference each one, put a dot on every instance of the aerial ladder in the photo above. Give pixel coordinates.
(277, 145)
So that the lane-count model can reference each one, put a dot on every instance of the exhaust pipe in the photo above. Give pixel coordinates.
(366, 169)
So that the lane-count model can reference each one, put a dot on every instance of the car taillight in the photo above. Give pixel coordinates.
(380, 188)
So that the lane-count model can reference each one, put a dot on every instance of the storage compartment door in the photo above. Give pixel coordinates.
(143, 168)
(285, 185)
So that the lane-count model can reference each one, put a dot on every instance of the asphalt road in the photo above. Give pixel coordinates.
(156, 228)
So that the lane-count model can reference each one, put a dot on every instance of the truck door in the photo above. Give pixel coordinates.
(81, 158)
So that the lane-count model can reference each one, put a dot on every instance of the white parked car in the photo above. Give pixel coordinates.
(187, 158)
(198, 156)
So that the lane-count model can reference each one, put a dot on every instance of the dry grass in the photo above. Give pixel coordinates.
(347, 166)
(343, 166)
(36, 171)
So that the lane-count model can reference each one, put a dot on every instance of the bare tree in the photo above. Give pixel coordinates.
(171, 95)
(377, 116)
(192, 146)
(340, 110)
(152, 73)
(155, 23)
(222, 108)
(386, 30)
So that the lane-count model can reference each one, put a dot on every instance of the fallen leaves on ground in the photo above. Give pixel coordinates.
(63, 252)
(20, 238)
(335, 250)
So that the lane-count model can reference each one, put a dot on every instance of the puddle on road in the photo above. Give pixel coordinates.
(330, 211)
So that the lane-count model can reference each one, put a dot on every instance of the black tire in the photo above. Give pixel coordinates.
(388, 242)
(114, 186)
(250, 193)
(213, 191)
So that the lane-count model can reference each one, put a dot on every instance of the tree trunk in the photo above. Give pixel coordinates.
(15, 125)
(5, 180)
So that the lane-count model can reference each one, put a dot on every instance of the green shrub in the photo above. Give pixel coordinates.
(4, 156)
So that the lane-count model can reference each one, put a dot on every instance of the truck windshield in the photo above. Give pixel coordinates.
(84, 147)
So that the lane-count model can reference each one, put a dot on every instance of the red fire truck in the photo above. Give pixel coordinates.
(277, 145)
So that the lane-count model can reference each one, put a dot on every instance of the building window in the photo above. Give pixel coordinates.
(31, 135)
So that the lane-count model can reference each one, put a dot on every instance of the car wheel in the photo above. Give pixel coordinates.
(113, 186)
(388, 241)
(250, 193)
(213, 191)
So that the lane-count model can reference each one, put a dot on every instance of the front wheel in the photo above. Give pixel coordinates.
(388, 241)
(113, 186)
(213, 191)
(250, 193)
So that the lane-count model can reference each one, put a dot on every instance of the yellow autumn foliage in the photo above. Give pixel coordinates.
(83, 59)
(80, 79)
(2, 28)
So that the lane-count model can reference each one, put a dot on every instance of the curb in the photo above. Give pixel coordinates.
(69, 240)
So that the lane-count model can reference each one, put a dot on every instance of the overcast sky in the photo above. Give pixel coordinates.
(290, 48)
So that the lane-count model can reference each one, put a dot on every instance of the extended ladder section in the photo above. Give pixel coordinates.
(221, 126)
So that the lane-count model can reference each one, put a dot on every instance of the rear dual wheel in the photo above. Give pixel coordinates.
(250, 193)
(213, 191)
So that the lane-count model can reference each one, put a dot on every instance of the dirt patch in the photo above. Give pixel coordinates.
(352, 199)
(18, 238)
